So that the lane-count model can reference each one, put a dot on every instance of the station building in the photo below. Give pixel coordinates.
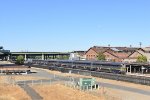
(115, 54)
(118, 54)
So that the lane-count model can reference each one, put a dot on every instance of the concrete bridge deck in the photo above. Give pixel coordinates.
(40, 55)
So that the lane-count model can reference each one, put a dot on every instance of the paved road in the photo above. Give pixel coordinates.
(31, 92)
(130, 89)
(42, 73)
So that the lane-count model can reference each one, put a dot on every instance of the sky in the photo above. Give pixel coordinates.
(68, 25)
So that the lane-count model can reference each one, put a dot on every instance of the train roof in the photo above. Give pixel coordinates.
(86, 62)
(96, 62)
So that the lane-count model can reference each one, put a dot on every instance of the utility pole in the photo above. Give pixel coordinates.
(140, 44)
(130, 46)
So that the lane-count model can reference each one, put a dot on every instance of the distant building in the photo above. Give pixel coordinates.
(4, 54)
(115, 54)
(77, 55)
(140, 52)
(74, 56)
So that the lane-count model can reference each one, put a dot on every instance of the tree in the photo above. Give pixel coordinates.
(20, 60)
(142, 59)
(101, 56)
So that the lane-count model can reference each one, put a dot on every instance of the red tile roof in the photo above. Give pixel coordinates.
(119, 52)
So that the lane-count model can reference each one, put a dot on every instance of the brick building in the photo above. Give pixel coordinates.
(117, 54)
(139, 52)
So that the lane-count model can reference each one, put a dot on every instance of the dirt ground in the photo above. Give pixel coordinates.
(8, 92)
(61, 92)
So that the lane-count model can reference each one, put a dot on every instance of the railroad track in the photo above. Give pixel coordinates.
(119, 77)
(76, 67)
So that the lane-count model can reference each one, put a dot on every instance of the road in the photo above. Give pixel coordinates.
(52, 77)
(31, 92)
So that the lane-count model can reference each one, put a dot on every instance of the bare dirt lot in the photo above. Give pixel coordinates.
(61, 92)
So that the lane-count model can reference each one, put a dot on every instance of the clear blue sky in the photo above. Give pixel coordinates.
(66, 25)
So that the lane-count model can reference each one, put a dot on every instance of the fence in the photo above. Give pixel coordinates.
(119, 77)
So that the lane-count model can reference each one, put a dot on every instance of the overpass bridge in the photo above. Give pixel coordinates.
(40, 55)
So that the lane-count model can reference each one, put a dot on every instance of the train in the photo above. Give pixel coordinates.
(61, 65)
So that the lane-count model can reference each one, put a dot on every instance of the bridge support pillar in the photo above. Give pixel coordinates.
(25, 57)
(45, 57)
(142, 68)
(134, 70)
(127, 70)
(130, 69)
(42, 56)
(54, 56)
(8, 58)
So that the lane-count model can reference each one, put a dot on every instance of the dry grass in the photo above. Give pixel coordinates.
(2, 79)
(114, 92)
(61, 92)
(23, 78)
(19, 78)
(8, 92)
